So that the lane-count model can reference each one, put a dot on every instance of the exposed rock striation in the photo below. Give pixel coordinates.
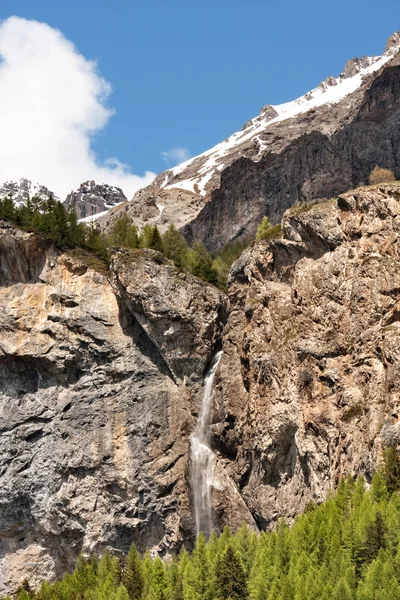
(309, 381)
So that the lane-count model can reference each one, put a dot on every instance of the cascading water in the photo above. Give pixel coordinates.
(202, 457)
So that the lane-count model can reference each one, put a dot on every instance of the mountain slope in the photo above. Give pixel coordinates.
(317, 146)
(201, 174)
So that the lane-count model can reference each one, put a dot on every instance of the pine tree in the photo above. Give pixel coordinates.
(133, 577)
(391, 469)
(200, 263)
(158, 588)
(267, 231)
(197, 580)
(123, 233)
(175, 246)
(230, 578)
(155, 240)
(7, 209)
(145, 236)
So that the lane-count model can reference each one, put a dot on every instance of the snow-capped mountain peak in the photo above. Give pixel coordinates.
(201, 173)
(20, 191)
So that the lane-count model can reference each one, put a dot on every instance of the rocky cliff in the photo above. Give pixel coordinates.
(308, 385)
(101, 378)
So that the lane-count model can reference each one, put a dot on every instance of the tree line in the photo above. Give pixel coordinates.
(60, 225)
(347, 548)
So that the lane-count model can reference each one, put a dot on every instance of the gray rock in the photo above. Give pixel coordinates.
(95, 404)
(92, 198)
(20, 191)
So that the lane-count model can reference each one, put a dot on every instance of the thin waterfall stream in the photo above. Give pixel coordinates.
(202, 457)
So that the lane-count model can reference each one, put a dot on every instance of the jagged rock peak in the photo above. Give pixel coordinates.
(92, 199)
(393, 44)
(23, 189)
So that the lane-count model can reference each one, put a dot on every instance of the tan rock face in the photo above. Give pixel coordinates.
(95, 408)
(309, 381)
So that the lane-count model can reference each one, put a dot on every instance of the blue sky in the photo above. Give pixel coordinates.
(188, 74)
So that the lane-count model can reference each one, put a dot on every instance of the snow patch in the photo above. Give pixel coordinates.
(93, 218)
(160, 208)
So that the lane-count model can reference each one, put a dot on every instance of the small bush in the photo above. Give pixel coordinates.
(90, 260)
(351, 413)
(266, 231)
(380, 175)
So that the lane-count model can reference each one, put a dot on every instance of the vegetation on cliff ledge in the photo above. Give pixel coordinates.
(60, 225)
(345, 549)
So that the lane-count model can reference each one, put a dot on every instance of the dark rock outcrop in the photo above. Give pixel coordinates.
(92, 198)
(314, 165)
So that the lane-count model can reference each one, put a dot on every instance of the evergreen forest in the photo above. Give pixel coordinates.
(347, 548)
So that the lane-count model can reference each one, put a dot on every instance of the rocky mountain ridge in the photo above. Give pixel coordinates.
(341, 130)
(202, 173)
(101, 379)
(92, 199)
(89, 200)
(24, 189)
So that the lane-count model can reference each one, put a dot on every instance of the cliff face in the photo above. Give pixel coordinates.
(94, 403)
(315, 164)
(309, 382)
(101, 378)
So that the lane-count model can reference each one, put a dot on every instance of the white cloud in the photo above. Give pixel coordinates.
(176, 155)
(52, 101)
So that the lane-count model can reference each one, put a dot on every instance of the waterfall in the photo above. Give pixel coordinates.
(202, 457)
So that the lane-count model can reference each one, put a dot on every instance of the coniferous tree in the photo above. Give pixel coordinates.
(230, 577)
(133, 577)
(7, 209)
(267, 231)
(145, 236)
(175, 246)
(155, 240)
(391, 469)
(200, 263)
(123, 233)
(197, 580)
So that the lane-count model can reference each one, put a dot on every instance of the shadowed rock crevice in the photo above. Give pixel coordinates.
(22, 255)
(21, 375)
(131, 327)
